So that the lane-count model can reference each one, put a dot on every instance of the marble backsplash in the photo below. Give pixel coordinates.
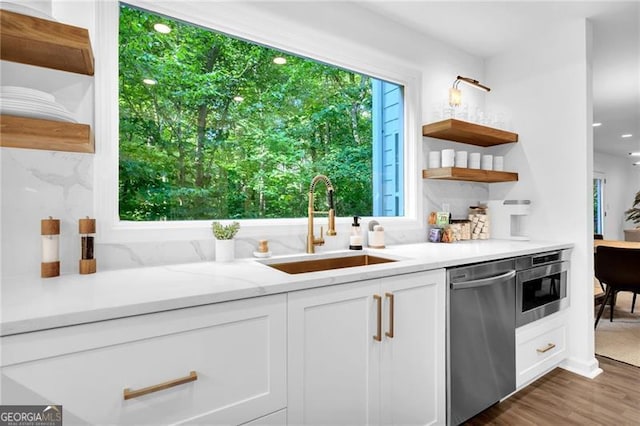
(37, 184)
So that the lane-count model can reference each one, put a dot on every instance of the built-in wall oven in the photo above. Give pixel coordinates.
(541, 285)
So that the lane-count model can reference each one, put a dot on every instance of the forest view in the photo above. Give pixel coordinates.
(219, 131)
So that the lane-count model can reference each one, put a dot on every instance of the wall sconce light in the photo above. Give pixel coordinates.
(455, 95)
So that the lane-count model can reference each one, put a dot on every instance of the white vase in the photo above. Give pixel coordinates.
(225, 250)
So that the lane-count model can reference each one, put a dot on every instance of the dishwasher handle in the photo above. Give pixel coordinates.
(483, 281)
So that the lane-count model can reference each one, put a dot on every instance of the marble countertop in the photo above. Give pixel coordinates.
(32, 303)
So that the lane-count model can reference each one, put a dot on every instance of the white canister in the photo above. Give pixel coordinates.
(461, 159)
(448, 157)
(487, 162)
(474, 160)
(376, 237)
(498, 163)
(434, 159)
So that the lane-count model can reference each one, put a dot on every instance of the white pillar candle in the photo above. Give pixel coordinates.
(487, 162)
(448, 157)
(498, 163)
(434, 160)
(474, 160)
(461, 159)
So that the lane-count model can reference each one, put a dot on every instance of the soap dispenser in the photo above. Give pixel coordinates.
(355, 239)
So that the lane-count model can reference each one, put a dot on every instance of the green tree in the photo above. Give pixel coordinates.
(190, 148)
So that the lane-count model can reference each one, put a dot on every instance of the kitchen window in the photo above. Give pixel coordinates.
(253, 21)
(215, 127)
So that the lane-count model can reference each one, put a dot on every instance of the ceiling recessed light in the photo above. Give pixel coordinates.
(597, 124)
(279, 60)
(637, 163)
(149, 81)
(238, 98)
(626, 135)
(162, 28)
(634, 154)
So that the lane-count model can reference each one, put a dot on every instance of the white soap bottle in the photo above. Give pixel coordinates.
(355, 239)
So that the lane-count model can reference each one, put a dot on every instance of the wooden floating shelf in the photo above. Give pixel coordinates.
(35, 41)
(35, 133)
(469, 133)
(469, 175)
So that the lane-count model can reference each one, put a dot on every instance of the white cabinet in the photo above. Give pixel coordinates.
(339, 373)
(540, 346)
(237, 351)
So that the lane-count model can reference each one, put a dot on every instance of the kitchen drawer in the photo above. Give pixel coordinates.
(236, 349)
(278, 418)
(540, 346)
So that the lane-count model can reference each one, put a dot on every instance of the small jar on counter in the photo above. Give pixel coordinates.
(87, 229)
(50, 232)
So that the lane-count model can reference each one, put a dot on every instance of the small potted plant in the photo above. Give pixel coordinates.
(225, 247)
(633, 215)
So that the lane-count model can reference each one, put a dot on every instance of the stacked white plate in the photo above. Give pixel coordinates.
(26, 102)
(24, 9)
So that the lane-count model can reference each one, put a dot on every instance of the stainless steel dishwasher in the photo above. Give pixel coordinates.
(481, 370)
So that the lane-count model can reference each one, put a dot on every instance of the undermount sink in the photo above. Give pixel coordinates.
(327, 263)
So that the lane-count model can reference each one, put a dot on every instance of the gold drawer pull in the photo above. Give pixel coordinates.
(546, 348)
(378, 336)
(128, 393)
(389, 333)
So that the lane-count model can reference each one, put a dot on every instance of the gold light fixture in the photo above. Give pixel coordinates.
(455, 95)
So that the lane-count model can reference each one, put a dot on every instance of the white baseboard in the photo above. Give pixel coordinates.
(589, 369)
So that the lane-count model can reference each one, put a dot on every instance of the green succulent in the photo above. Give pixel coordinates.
(225, 232)
(633, 213)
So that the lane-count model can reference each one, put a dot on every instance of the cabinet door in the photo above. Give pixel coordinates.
(333, 360)
(413, 360)
(236, 349)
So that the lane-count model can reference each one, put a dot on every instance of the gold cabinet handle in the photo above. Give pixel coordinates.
(378, 336)
(389, 333)
(128, 393)
(546, 348)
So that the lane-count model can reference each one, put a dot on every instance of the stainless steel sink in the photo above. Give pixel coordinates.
(327, 263)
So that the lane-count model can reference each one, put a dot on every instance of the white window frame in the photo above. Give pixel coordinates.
(236, 22)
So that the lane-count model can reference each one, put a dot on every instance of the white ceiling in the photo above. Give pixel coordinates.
(487, 28)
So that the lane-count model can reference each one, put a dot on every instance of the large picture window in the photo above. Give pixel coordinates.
(214, 127)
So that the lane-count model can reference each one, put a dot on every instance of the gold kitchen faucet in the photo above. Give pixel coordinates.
(312, 241)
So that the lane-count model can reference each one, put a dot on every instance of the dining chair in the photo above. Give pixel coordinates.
(619, 269)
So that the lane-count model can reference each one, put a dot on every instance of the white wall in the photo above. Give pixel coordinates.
(622, 183)
(37, 184)
(546, 83)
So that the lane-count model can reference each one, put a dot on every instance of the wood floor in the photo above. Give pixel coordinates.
(564, 398)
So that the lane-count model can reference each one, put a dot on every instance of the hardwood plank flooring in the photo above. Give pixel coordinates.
(565, 398)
